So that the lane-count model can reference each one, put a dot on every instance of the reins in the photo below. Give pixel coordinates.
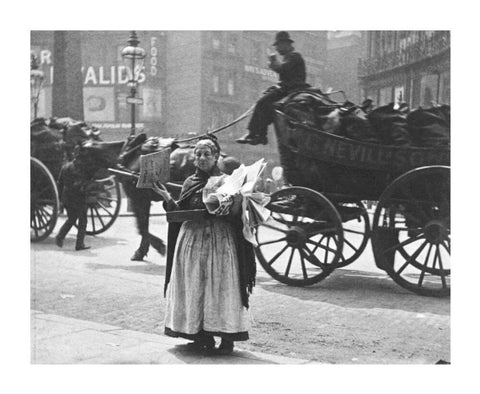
(245, 114)
(241, 117)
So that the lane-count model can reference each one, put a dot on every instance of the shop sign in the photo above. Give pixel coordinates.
(265, 73)
(134, 100)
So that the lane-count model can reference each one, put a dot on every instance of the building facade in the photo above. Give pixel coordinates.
(406, 66)
(344, 49)
(104, 77)
(192, 81)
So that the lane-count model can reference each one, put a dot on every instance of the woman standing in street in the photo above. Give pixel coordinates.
(210, 266)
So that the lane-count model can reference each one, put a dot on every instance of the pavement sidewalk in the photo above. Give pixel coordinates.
(61, 340)
(156, 208)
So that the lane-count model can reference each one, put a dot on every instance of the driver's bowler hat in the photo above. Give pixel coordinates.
(282, 36)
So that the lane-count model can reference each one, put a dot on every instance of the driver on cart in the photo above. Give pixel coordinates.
(292, 75)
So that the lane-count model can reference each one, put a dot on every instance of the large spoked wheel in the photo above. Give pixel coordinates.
(44, 201)
(411, 231)
(356, 231)
(103, 204)
(301, 243)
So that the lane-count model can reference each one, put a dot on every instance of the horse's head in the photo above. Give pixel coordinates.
(181, 164)
(141, 145)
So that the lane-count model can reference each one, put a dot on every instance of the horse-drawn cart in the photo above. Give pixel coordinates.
(48, 151)
(320, 223)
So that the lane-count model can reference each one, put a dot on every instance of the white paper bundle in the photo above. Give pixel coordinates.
(219, 191)
(253, 214)
(218, 203)
(211, 195)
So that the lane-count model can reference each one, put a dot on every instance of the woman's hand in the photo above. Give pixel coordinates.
(160, 189)
(237, 204)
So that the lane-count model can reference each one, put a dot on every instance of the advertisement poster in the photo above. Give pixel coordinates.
(152, 107)
(99, 104)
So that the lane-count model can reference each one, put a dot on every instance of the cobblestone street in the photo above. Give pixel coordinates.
(357, 315)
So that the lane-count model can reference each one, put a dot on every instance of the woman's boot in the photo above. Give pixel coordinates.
(225, 348)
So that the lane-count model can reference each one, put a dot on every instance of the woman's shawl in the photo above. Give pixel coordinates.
(246, 256)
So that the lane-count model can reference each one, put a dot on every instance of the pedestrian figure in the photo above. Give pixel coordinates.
(73, 182)
(292, 75)
(210, 266)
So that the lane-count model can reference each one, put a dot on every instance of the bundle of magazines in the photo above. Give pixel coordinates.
(218, 195)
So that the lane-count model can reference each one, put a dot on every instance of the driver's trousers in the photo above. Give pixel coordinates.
(264, 111)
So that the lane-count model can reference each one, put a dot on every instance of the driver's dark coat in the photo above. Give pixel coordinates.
(291, 71)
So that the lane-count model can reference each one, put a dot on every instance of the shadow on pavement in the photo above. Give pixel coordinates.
(189, 356)
(139, 268)
(360, 289)
(95, 242)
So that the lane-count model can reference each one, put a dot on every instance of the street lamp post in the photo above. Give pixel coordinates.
(36, 81)
(134, 57)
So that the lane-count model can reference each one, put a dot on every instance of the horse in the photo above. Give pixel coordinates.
(125, 155)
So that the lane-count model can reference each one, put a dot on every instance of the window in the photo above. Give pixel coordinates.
(429, 90)
(216, 40)
(152, 104)
(232, 45)
(375, 43)
(231, 85)
(256, 52)
(399, 94)
(370, 94)
(390, 41)
(216, 84)
(444, 93)
(215, 118)
(385, 96)
(402, 44)
(383, 42)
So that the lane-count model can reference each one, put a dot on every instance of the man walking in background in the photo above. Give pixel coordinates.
(73, 183)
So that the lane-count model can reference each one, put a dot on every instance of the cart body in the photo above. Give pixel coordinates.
(349, 169)
(324, 224)
(48, 153)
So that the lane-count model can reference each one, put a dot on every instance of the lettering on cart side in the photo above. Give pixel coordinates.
(384, 157)
(356, 152)
(341, 150)
(416, 159)
(329, 147)
(399, 159)
(369, 158)
(364, 154)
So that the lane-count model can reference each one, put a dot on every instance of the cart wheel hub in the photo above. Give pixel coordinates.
(296, 237)
(436, 232)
